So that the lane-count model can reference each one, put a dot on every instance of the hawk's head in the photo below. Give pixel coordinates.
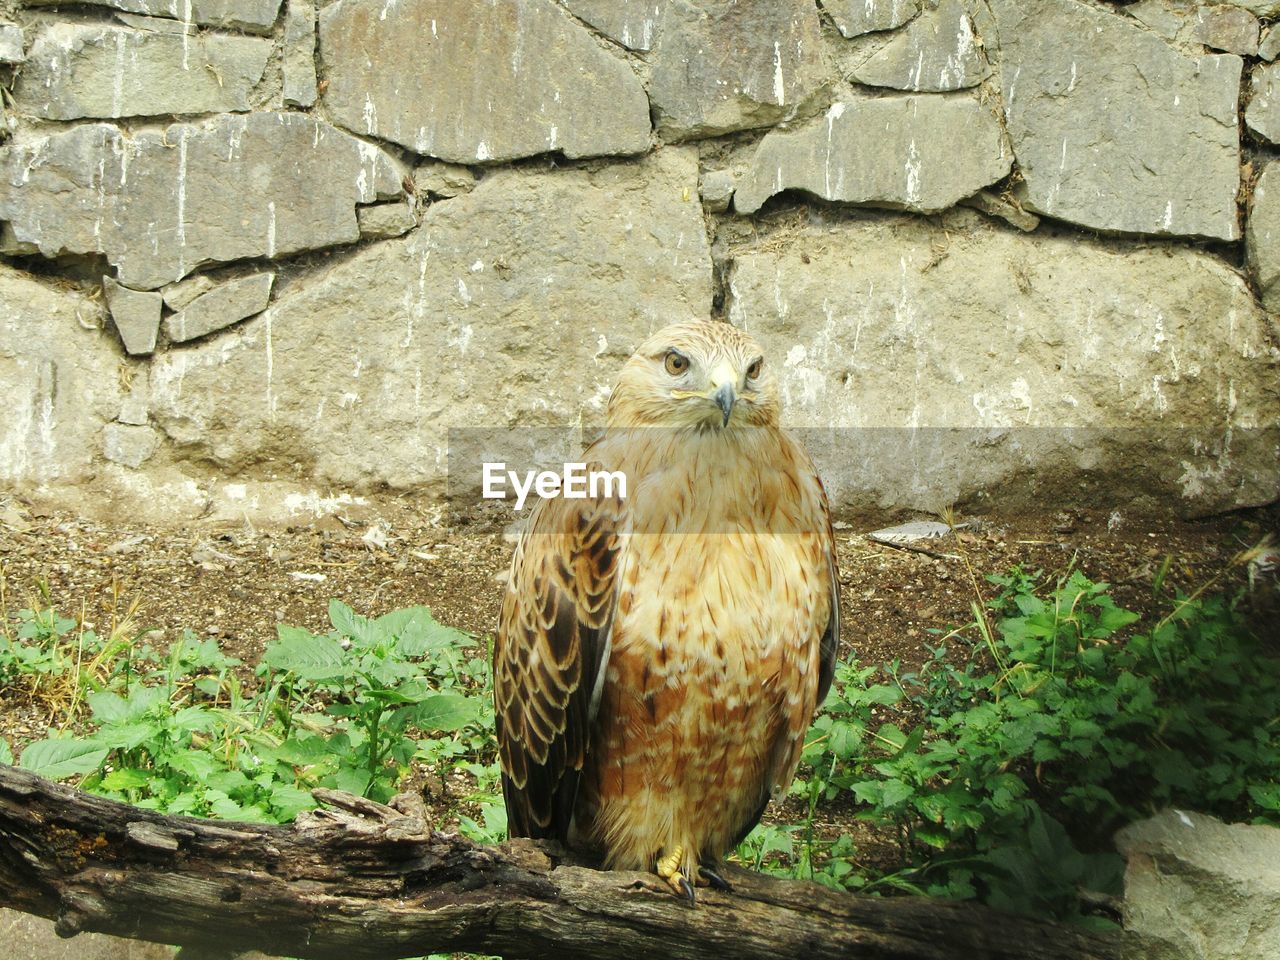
(698, 374)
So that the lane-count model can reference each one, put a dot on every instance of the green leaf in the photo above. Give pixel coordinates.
(196, 764)
(896, 792)
(305, 655)
(289, 801)
(59, 759)
(445, 712)
(6, 752)
(126, 736)
(129, 778)
(363, 631)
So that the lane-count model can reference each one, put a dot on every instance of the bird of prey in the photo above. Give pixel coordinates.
(660, 655)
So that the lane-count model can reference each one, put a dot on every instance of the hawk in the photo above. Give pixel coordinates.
(660, 655)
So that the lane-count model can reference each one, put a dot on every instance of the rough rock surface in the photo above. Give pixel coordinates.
(136, 315)
(511, 305)
(913, 152)
(633, 23)
(1262, 238)
(716, 189)
(408, 72)
(961, 362)
(299, 65)
(385, 220)
(994, 205)
(1262, 8)
(76, 71)
(442, 180)
(251, 16)
(129, 445)
(938, 51)
(1115, 130)
(133, 409)
(1230, 29)
(1270, 45)
(178, 295)
(856, 17)
(1263, 112)
(160, 204)
(59, 380)
(222, 306)
(11, 43)
(722, 66)
(1207, 889)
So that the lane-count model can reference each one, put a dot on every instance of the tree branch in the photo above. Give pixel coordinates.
(361, 881)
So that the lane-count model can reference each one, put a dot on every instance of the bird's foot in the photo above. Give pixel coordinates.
(709, 876)
(671, 868)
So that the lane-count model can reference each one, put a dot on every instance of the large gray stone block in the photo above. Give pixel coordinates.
(1262, 237)
(469, 82)
(1262, 115)
(158, 205)
(1115, 130)
(912, 152)
(225, 304)
(722, 65)
(1262, 8)
(936, 52)
(510, 306)
(248, 16)
(299, 66)
(77, 70)
(11, 43)
(632, 23)
(856, 17)
(251, 16)
(136, 315)
(59, 378)
(1207, 889)
(961, 362)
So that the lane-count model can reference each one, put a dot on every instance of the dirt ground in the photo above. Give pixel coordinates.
(236, 583)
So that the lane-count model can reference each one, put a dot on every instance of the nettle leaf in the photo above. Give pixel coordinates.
(1266, 795)
(306, 655)
(196, 764)
(446, 712)
(126, 736)
(1112, 618)
(190, 719)
(129, 778)
(289, 801)
(845, 739)
(896, 792)
(6, 752)
(59, 759)
(303, 752)
(111, 708)
(362, 631)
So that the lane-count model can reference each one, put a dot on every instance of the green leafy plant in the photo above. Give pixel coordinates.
(1004, 765)
(347, 709)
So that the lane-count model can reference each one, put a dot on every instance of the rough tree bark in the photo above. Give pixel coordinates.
(361, 881)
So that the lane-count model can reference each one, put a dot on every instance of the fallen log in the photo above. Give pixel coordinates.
(357, 880)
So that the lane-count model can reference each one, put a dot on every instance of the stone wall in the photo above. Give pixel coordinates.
(1008, 254)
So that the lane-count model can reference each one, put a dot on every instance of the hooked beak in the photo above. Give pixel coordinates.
(724, 393)
(725, 397)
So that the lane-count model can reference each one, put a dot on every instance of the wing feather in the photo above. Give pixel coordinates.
(550, 656)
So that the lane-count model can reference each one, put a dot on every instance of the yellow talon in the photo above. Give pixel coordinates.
(668, 868)
(668, 865)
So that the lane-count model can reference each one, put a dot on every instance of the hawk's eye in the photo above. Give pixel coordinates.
(757, 365)
(677, 363)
